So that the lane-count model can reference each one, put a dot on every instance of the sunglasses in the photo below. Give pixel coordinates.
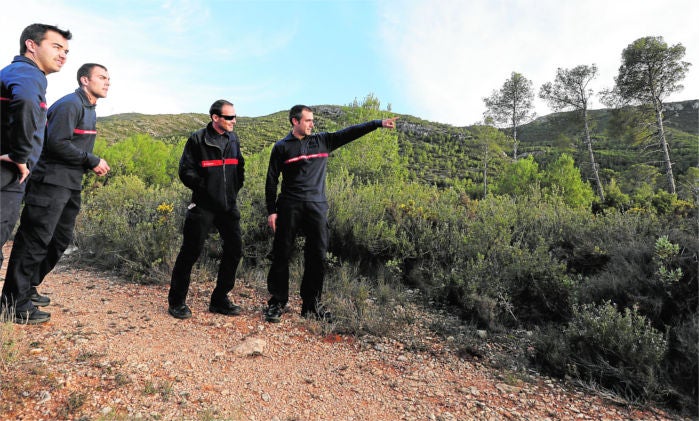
(227, 117)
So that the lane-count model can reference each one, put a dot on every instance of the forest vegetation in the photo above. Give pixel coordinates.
(598, 260)
(608, 288)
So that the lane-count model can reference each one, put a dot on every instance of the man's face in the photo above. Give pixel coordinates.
(221, 122)
(51, 53)
(304, 127)
(98, 82)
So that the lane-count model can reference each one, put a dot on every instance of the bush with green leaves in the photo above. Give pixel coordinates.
(528, 252)
(152, 160)
(257, 236)
(602, 346)
(561, 177)
(132, 228)
(491, 258)
(519, 177)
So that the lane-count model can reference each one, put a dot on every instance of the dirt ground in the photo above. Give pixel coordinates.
(111, 351)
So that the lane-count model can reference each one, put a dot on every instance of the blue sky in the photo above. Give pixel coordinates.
(432, 59)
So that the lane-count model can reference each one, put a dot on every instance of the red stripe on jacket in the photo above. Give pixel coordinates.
(41, 104)
(219, 162)
(300, 157)
(81, 131)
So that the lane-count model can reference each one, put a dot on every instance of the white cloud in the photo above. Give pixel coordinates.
(452, 54)
(139, 84)
(173, 56)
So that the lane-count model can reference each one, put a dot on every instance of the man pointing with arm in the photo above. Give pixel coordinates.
(301, 160)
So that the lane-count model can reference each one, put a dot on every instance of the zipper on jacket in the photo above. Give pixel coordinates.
(223, 166)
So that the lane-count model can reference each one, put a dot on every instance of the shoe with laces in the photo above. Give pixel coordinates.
(39, 300)
(273, 314)
(31, 317)
(227, 309)
(180, 312)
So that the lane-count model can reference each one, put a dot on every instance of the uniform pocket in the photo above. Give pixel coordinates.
(39, 201)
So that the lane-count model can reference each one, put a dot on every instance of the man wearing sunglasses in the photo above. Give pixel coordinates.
(213, 168)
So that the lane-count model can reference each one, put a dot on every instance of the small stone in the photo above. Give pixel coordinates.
(252, 346)
(506, 388)
(44, 396)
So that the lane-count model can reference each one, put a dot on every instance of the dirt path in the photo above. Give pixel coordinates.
(111, 351)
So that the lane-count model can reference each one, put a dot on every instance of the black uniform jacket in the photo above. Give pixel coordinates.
(214, 174)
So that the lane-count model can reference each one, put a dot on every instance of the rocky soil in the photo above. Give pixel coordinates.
(112, 352)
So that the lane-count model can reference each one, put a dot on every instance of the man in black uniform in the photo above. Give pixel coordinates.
(52, 201)
(43, 50)
(301, 159)
(213, 168)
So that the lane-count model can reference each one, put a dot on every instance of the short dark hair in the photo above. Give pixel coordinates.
(296, 111)
(37, 32)
(217, 106)
(86, 70)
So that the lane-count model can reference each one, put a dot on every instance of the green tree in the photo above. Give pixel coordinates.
(149, 159)
(638, 175)
(689, 184)
(375, 156)
(519, 177)
(651, 71)
(562, 176)
(511, 106)
(570, 91)
(490, 142)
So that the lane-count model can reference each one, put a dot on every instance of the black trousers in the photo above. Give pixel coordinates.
(11, 194)
(197, 224)
(44, 233)
(310, 219)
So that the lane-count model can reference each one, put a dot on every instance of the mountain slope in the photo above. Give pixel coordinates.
(442, 154)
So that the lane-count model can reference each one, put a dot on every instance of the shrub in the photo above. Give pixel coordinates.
(518, 178)
(132, 228)
(619, 351)
(562, 177)
(257, 236)
(614, 197)
(152, 160)
(681, 367)
(364, 306)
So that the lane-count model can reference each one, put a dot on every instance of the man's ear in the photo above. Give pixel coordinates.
(84, 80)
(31, 45)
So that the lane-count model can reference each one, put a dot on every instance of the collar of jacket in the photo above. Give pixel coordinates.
(291, 137)
(26, 60)
(84, 99)
(211, 133)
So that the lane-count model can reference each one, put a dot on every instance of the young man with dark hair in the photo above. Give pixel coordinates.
(52, 201)
(214, 169)
(301, 159)
(43, 50)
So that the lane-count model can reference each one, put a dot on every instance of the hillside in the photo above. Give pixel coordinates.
(442, 154)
